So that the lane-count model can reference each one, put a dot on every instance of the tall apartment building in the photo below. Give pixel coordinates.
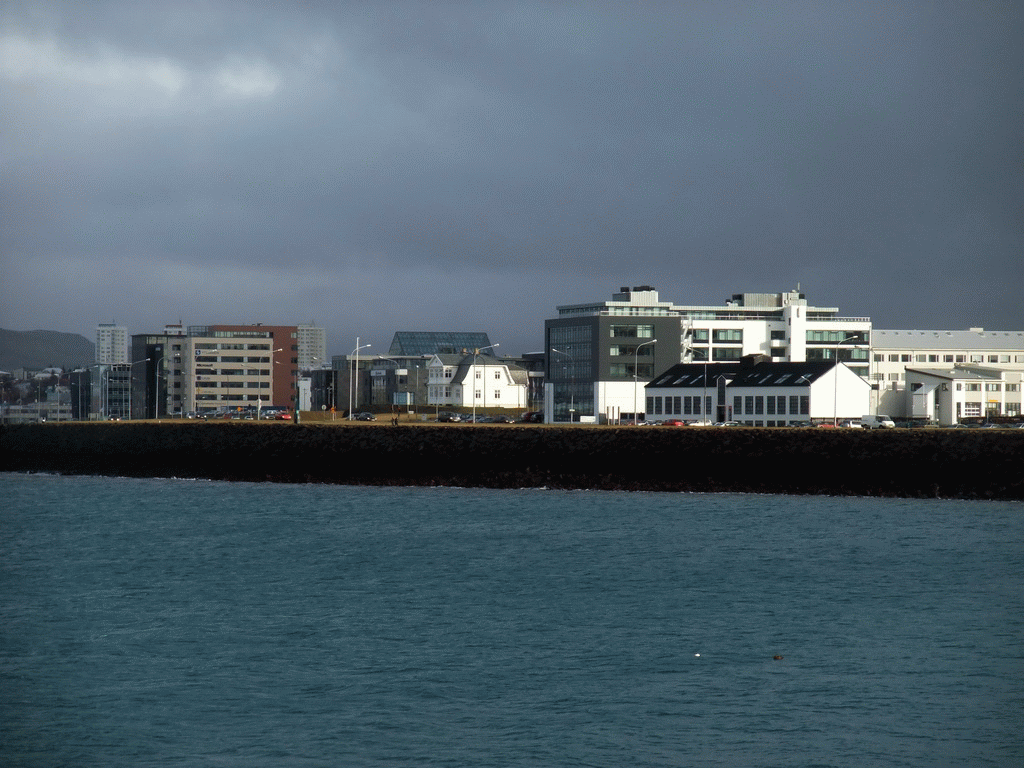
(111, 344)
(599, 353)
(312, 347)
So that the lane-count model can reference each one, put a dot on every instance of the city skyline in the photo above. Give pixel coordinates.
(370, 168)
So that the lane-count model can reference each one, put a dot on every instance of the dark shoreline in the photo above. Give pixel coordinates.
(967, 464)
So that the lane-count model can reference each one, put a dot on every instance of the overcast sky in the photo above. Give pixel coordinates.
(376, 167)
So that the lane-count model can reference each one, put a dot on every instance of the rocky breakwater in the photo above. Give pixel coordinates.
(976, 464)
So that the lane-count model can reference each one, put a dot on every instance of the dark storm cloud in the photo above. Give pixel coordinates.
(317, 157)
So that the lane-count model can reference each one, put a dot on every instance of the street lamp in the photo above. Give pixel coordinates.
(156, 386)
(297, 372)
(572, 388)
(354, 370)
(636, 367)
(137, 362)
(476, 352)
(835, 381)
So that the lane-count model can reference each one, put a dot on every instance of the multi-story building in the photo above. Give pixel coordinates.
(157, 380)
(218, 367)
(111, 344)
(599, 355)
(948, 396)
(894, 352)
(311, 341)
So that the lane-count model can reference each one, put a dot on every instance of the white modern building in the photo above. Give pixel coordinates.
(759, 393)
(894, 352)
(598, 354)
(480, 381)
(948, 396)
(111, 344)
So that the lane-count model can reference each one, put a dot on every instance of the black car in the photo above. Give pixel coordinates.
(365, 417)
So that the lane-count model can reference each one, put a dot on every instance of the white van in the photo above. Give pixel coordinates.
(881, 421)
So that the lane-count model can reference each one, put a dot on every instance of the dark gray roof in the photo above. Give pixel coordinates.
(764, 374)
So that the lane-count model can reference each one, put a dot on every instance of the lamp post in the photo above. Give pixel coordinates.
(835, 381)
(476, 352)
(354, 369)
(572, 387)
(298, 370)
(636, 366)
(137, 362)
(156, 386)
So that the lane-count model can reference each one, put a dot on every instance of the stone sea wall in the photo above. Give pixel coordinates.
(972, 464)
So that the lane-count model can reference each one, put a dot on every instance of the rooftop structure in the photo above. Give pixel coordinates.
(414, 343)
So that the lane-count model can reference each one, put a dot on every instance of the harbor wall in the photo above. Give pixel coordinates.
(972, 464)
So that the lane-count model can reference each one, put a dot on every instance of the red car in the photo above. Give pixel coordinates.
(673, 423)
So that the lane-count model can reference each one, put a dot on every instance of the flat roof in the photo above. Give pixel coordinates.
(969, 339)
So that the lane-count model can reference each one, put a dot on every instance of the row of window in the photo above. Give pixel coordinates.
(754, 405)
(991, 387)
(675, 405)
(906, 357)
(643, 370)
(232, 385)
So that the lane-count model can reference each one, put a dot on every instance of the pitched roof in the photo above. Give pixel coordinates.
(763, 374)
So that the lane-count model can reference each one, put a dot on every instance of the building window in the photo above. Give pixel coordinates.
(805, 404)
(771, 406)
(894, 358)
(973, 387)
(627, 350)
(947, 358)
(904, 358)
(879, 358)
(749, 404)
(782, 405)
(993, 388)
(632, 331)
(737, 405)
(726, 353)
(727, 336)
(497, 394)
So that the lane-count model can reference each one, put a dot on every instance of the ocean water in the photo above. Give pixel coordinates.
(185, 623)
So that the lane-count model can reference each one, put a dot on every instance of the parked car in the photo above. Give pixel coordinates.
(448, 417)
(673, 423)
(850, 424)
(365, 416)
(503, 419)
(877, 421)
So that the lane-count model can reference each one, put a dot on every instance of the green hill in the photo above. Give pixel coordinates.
(44, 349)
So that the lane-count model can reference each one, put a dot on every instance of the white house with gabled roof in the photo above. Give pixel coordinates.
(481, 381)
(759, 393)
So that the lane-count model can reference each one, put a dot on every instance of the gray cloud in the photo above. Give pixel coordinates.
(391, 166)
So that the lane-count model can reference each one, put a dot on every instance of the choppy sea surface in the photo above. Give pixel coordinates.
(185, 623)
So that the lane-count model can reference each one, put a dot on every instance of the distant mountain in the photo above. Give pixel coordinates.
(43, 349)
